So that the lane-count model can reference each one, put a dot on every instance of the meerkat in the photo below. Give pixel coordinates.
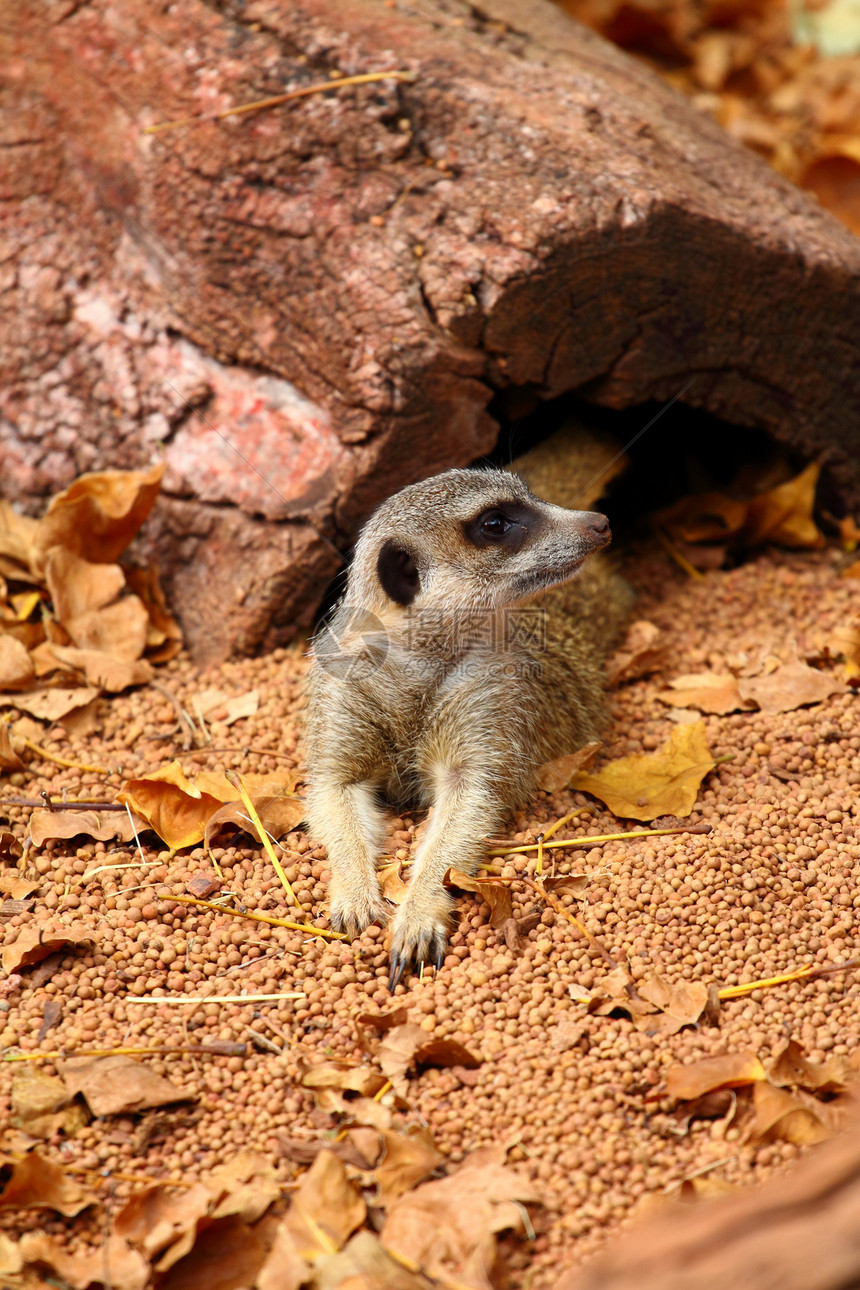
(467, 650)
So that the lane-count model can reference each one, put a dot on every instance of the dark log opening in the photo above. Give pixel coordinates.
(683, 450)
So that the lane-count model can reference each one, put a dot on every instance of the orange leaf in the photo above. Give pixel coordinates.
(98, 515)
(37, 1183)
(784, 514)
(729, 1070)
(172, 805)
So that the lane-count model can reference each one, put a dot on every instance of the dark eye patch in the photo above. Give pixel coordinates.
(506, 525)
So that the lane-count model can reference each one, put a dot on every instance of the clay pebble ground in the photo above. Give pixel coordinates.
(772, 887)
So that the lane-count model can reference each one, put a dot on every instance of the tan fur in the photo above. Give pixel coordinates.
(438, 702)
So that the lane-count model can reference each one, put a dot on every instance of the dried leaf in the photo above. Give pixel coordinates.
(304, 1151)
(445, 1052)
(447, 1228)
(114, 1264)
(408, 1046)
(172, 805)
(14, 884)
(156, 1220)
(728, 1070)
(849, 534)
(781, 1117)
(11, 1259)
(397, 1051)
(391, 884)
(844, 643)
(118, 631)
(383, 1021)
(37, 1183)
(363, 1264)
(106, 670)
(40, 1105)
(640, 654)
(647, 785)
(243, 1188)
(80, 723)
(101, 825)
(164, 635)
(705, 517)
(792, 1067)
(243, 705)
(118, 1085)
(98, 515)
(683, 1002)
(409, 1158)
(36, 943)
(556, 775)
(16, 666)
(9, 759)
(707, 691)
(284, 1269)
(497, 895)
(278, 816)
(340, 1075)
(326, 1209)
(226, 1254)
(10, 847)
(77, 587)
(17, 534)
(793, 685)
(784, 514)
(50, 704)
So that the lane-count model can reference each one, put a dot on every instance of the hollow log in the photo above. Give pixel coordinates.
(307, 306)
(798, 1231)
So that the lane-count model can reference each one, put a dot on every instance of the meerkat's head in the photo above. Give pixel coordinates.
(474, 539)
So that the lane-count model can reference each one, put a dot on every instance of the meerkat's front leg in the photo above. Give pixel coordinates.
(347, 819)
(467, 807)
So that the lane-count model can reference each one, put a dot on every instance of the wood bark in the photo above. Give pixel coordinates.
(306, 307)
(799, 1231)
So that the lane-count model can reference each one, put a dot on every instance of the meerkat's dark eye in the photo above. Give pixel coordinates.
(505, 526)
(495, 524)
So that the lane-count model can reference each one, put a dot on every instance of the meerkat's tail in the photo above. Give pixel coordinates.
(573, 469)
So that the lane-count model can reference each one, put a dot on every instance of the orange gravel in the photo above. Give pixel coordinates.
(771, 888)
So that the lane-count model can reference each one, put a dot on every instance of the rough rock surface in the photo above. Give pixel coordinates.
(339, 285)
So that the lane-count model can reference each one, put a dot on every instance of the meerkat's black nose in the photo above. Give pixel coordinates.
(596, 528)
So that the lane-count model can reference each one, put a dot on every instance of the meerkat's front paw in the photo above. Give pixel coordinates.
(352, 907)
(419, 934)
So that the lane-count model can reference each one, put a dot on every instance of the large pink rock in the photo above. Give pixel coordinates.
(306, 307)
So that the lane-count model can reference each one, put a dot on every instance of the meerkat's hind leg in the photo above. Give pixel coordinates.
(466, 809)
(350, 823)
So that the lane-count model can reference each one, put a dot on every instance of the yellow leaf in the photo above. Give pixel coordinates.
(646, 785)
(784, 514)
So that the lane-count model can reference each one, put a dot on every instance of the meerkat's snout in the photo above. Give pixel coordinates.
(597, 529)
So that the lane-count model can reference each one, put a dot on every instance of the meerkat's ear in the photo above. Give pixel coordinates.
(397, 573)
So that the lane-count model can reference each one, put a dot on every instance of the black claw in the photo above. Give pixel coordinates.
(439, 956)
(399, 965)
